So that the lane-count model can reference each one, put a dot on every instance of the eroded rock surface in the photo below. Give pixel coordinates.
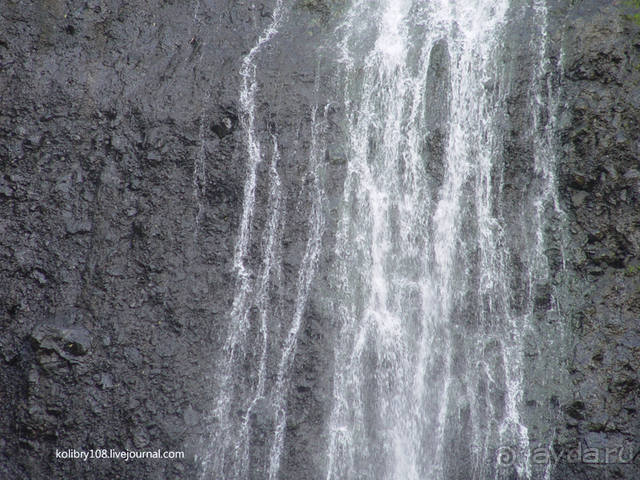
(121, 187)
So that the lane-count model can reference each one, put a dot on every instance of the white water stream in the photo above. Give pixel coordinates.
(437, 260)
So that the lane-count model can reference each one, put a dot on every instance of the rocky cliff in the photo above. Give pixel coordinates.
(600, 151)
(121, 189)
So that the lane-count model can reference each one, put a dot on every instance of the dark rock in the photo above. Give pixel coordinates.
(140, 438)
(543, 297)
(73, 226)
(67, 342)
(190, 416)
(133, 355)
(578, 198)
(103, 115)
(227, 123)
(106, 381)
(437, 113)
(5, 189)
(576, 410)
(599, 169)
(632, 174)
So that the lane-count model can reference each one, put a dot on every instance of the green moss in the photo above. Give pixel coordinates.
(635, 5)
(632, 270)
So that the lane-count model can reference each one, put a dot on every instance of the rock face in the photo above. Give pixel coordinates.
(600, 152)
(116, 247)
(121, 187)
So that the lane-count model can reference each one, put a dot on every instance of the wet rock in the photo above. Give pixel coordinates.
(106, 381)
(133, 355)
(119, 143)
(576, 410)
(105, 125)
(632, 174)
(227, 123)
(39, 276)
(335, 154)
(68, 342)
(543, 297)
(140, 438)
(5, 189)
(73, 226)
(437, 113)
(601, 177)
(190, 416)
(578, 198)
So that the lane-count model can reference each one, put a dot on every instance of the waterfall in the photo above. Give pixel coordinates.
(438, 259)
(253, 378)
(227, 454)
(440, 256)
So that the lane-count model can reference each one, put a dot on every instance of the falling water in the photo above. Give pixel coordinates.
(253, 379)
(432, 308)
(440, 256)
(226, 455)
